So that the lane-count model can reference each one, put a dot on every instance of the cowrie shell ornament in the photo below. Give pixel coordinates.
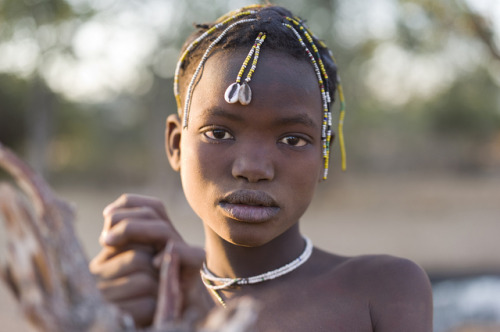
(245, 94)
(232, 93)
(237, 92)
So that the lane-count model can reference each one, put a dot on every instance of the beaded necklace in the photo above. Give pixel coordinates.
(213, 282)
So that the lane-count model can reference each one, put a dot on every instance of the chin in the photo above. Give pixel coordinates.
(245, 240)
(253, 236)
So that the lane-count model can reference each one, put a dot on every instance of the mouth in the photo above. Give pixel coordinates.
(249, 206)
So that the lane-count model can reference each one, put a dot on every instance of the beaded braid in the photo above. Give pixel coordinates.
(200, 65)
(298, 22)
(325, 131)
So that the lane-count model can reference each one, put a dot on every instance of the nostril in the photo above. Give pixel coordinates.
(253, 169)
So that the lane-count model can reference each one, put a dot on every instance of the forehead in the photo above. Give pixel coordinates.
(279, 81)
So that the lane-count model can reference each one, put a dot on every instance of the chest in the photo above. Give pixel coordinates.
(312, 308)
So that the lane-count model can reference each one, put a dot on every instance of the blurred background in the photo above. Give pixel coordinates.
(86, 85)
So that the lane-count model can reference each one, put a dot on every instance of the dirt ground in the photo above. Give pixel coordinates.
(448, 224)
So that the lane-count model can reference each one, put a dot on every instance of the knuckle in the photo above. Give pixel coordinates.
(94, 267)
(96, 264)
(125, 199)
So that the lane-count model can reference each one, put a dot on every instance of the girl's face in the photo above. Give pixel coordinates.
(250, 172)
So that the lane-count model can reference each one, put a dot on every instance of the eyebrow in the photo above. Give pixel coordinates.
(220, 112)
(301, 119)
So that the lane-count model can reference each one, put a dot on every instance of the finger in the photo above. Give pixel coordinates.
(123, 214)
(134, 200)
(105, 254)
(141, 231)
(142, 310)
(128, 288)
(180, 284)
(170, 299)
(124, 263)
(116, 215)
(108, 252)
(195, 298)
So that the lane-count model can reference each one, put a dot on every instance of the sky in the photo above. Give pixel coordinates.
(112, 47)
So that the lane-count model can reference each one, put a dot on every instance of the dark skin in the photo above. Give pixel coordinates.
(268, 156)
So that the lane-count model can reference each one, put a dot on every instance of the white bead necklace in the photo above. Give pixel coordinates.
(216, 283)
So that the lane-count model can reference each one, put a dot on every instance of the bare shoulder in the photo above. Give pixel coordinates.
(376, 269)
(386, 269)
(398, 290)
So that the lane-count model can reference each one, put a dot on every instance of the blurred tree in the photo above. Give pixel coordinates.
(482, 27)
(468, 111)
(410, 68)
(436, 65)
(12, 125)
(35, 27)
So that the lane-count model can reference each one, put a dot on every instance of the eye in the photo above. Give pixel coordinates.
(218, 134)
(293, 141)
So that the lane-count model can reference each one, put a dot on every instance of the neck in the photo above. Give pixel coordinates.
(229, 260)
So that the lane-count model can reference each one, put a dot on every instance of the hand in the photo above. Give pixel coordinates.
(136, 228)
(136, 219)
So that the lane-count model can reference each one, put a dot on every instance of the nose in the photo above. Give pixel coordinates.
(254, 163)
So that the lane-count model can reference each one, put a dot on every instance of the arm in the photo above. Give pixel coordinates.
(401, 298)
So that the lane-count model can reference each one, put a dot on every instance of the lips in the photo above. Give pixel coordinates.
(249, 206)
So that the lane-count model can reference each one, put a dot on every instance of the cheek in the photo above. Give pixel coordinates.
(200, 161)
(200, 169)
(191, 171)
(302, 175)
(305, 168)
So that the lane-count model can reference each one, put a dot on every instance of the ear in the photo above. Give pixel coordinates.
(173, 133)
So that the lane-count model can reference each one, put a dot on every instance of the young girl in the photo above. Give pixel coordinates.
(251, 142)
